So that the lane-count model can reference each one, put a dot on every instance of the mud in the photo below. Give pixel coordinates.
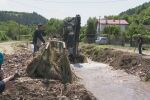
(130, 62)
(26, 88)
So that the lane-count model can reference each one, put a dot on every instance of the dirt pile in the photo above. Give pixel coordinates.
(130, 62)
(39, 89)
(26, 88)
(17, 62)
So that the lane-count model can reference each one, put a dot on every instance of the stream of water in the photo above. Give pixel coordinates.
(109, 84)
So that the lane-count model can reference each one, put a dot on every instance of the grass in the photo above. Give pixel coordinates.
(118, 47)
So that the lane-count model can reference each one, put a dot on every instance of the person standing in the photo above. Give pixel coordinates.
(38, 37)
(140, 43)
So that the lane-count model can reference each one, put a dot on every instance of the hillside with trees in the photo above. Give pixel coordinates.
(139, 21)
(18, 25)
(22, 17)
(136, 10)
(140, 14)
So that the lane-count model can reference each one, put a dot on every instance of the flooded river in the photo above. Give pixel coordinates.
(108, 84)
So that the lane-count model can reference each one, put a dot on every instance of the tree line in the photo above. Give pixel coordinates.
(22, 17)
(139, 24)
(138, 19)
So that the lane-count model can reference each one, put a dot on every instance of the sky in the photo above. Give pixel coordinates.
(64, 8)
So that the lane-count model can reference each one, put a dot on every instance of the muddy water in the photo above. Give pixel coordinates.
(108, 84)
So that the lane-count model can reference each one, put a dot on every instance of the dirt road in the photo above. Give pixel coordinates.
(108, 84)
(6, 47)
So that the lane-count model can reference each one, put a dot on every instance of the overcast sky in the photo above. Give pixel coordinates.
(64, 8)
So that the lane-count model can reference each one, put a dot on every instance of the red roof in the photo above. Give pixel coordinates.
(113, 22)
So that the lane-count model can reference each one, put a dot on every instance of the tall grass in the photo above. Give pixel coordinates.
(3, 36)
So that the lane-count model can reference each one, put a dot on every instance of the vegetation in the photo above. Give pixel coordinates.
(83, 33)
(112, 30)
(139, 21)
(3, 36)
(91, 29)
(139, 14)
(16, 24)
(22, 17)
(12, 30)
(54, 27)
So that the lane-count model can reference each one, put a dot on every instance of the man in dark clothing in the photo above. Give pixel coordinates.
(140, 42)
(38, 38)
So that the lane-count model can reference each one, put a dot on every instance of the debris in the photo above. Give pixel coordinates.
(51, 64)
(27, 88)
(132, 63)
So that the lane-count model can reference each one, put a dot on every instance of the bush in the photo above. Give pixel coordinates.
(3, 36)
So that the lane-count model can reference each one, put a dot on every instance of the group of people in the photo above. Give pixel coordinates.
(37, 41)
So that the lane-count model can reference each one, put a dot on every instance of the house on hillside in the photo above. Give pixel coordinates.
(101, 24)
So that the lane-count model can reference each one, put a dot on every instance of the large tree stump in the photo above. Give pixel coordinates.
(51, 62)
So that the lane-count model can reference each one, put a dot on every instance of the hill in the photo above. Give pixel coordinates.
(136, 10)
(22, 17)
(140, 14)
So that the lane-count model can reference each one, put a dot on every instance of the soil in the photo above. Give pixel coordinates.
(27, 88)
(6, 47)
(132, 63)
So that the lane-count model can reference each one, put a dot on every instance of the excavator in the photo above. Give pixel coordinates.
(51, 61)
(71, 32)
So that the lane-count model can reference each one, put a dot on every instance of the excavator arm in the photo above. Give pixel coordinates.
(71, 36)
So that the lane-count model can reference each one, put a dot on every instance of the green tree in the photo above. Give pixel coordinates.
(112, 30)
(133, 30)
(13, 30)
(83, 33)
(112, 17)
(54, 27)
(91, 29)
(22, 17)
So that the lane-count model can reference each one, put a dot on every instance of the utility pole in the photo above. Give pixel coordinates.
(99, 25)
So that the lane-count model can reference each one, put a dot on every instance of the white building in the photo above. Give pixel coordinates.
(107, 22)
